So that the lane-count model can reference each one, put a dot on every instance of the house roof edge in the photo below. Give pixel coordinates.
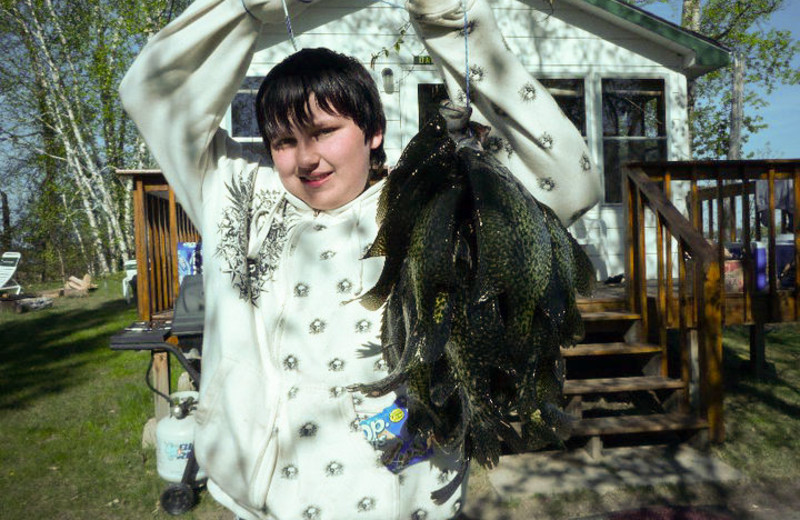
(709, 54)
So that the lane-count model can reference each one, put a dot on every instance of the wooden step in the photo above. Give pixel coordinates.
(599, 304)
(611, 316)
(611, 385)
(637, 424)
(609, 349)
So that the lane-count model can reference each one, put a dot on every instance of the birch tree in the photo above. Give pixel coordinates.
(62, 63)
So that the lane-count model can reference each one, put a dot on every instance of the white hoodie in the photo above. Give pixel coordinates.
(277, 431)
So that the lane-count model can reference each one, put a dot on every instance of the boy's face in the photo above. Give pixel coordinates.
(326, 164)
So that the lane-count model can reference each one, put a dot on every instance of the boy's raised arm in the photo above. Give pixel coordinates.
(179, 87)
(539, 144)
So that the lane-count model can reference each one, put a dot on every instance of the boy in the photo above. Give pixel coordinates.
(278, 433)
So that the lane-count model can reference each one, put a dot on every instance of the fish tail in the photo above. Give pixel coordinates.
(442, 495)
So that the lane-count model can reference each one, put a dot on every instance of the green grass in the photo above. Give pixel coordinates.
(72, 412)
(762, 417)
(71, 415)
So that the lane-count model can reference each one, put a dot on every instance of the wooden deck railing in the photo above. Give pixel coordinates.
(746, 206)
(724, 206)
(159, 224)
(695, 311)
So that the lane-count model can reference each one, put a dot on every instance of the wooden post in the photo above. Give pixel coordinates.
(173, 243)
(710, 331)
(683, 326)
(630, 249)
(796, 231)
(721, 221)
(774, 306)
(142, 264)
(757, 349)
(747, 264)
(641, 266)
(661, 299)
(160, 381)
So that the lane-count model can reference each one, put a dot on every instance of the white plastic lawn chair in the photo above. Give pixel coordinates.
(127, 282)
(8, 266)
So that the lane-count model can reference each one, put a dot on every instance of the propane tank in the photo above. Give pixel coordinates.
(175, 437)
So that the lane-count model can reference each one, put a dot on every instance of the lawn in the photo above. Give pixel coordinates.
(71, 415)
(72, 412)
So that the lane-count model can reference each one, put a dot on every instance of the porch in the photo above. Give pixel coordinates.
(653, 353)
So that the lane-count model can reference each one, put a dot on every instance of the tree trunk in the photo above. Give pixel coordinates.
(737, 108)
(690, 19)
(67, 110)
(77, 236)
(5, 243)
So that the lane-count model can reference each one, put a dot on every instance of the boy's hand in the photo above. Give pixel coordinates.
(447, 13)
(271, 11)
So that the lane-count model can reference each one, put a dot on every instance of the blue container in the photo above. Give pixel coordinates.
(186, 259)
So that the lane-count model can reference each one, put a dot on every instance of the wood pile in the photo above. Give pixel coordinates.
(76, 287)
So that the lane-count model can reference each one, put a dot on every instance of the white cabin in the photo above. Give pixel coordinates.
(618, 72)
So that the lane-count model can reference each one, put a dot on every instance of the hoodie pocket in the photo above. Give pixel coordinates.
(235, 429)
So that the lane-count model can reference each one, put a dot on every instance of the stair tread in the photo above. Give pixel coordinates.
(609, 349)
(619, 384)
(610, 315)
(638, 424)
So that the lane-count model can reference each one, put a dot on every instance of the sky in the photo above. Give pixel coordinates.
(780, 138)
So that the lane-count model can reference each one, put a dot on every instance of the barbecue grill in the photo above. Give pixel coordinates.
(187, 328)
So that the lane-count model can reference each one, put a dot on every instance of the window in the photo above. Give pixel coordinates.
(569, 95)
(244, 125)
(634, 128)
(243, 113)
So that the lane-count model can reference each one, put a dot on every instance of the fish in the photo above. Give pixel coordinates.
(409, 188)
(478, 290)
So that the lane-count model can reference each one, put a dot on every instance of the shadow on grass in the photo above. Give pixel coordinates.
(44, 355)
(739, 382)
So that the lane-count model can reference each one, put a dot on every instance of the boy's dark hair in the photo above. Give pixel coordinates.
(340, 84)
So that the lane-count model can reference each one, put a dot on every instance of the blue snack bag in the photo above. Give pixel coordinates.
(387, 431)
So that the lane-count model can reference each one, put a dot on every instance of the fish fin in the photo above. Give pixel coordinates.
(374, 298)
(585, 278)
(406, 363)
(379, 245)
(392, 355)
(511, 437)
(390, 454)
(458, 436)
(560, 422)
(382, 386)
(443, 494)
(484, 440)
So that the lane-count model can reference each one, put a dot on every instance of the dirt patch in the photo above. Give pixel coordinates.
(746, 500)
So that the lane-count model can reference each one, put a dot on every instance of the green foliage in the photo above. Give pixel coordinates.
(768, 53)
(62, 128)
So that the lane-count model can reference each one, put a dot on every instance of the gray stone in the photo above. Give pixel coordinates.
(149, 433)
